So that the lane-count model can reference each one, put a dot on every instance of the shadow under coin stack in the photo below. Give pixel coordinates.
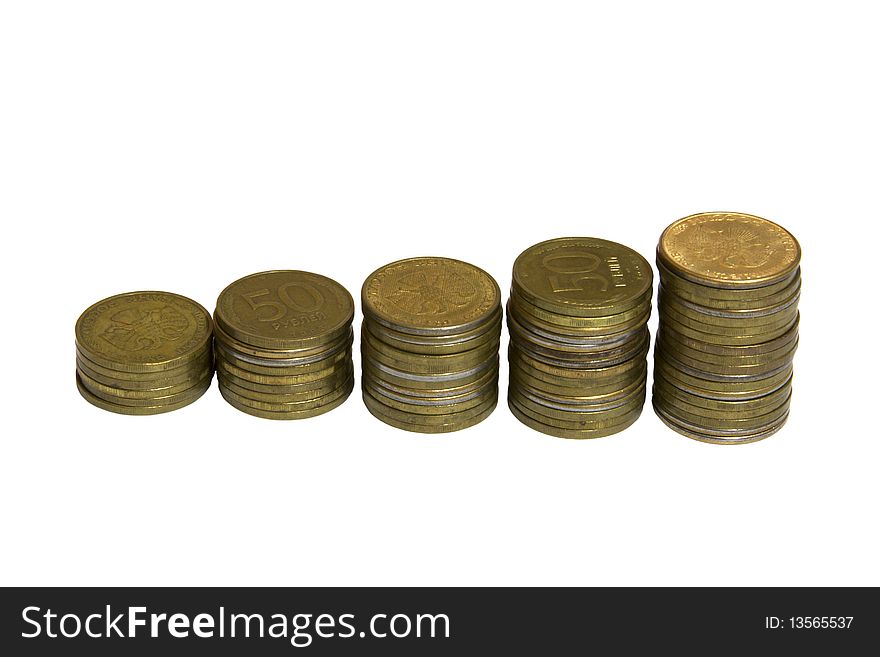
(729, 290)
(283, 344)
(144, 353)
(579, 339)
(429, 344)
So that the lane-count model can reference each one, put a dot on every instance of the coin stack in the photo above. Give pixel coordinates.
(283, 344)
(577, 315)
(144, 353)
(429, 344)
(729, 291)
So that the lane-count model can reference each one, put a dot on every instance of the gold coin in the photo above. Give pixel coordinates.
(430, 296)
(578, 434)
(285, 310)
(757, 313)
(294, 356)
(144, 332)
(94, 400)
(418, 418)
(567, 369)
(587, 398)
(582, 277)
(437, 424)
(724, 325)
(729, 250)
(728, 365)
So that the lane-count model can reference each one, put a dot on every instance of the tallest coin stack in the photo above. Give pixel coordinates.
(729, 290)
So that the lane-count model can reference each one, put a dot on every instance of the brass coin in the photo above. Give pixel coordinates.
(745, 300)
(582, 277)
(712, 408)
(701, 420)
(247, 364)
(286, 356)
(454, 424)
(286, 310)
(421, 407)
(298, 406)
(144, 332)
(729, 250)
(756, 313)
(429, 424)
(430, 296)
(576, 418)
(112, 393)
(136, 410)
(423, 363)
(597, 344)
(489, 376)
(420, 382)
(327, 384)
(284, 415)
(733, 438)
(519, 377)
(162, 398)
(727, 327)
(722, 387)
(720, 365)
(573, 369)
(577, 434)
(757, 349)
(541, 348)
(586, 399)
(455, 346)
(726, 340)
(266, 379)
(283, 397)
(187, 376)
(615, 323)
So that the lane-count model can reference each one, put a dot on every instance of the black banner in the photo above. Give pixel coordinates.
(420, 621)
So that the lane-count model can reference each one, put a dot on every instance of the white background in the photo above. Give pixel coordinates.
(181, 145)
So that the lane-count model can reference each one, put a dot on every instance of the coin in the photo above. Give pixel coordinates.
(730, 284)
(429, 344)
(144, 331)
(284, 344)
(582, 277)
(285, 309)
(729, 250)
(149, 351)
(537, 423)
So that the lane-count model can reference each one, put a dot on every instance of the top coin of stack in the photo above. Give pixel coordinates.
(429, 344)
(283, 344)
(577, 316)
(144, 353)
(730, 285)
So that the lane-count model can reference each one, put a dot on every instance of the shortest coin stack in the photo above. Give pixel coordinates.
(283, 344)
(729, 290)
(144, 353)
(577, 316)
(429, 344)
